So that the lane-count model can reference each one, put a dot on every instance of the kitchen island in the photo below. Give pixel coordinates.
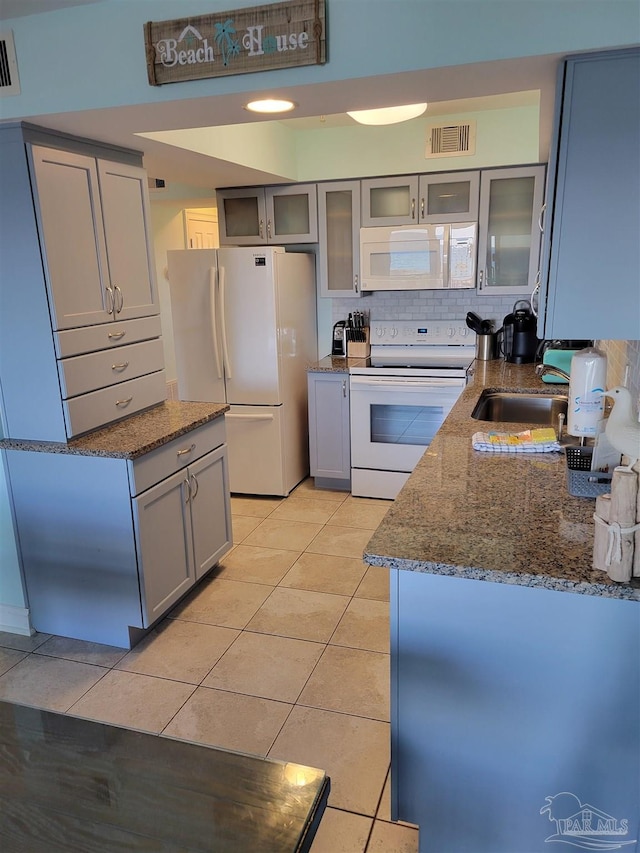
(117, 525)
(515, 665)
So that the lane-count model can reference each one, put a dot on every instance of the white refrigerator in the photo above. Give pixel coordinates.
(244, 329)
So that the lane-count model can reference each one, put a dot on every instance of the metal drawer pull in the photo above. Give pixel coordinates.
(121, 366)
(116, 335)
(124, 402)
(186, 450)
(193, 486)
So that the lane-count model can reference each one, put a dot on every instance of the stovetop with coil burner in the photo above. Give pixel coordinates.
(438, 348)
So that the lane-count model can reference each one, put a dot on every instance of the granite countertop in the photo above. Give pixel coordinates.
(131, 437)
(333, 364)
(501, 517)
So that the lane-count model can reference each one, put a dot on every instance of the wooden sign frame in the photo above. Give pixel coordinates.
(259, 38)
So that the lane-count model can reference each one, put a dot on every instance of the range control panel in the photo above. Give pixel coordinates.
(421, 332)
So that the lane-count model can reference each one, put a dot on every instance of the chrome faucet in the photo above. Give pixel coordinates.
(551, 370)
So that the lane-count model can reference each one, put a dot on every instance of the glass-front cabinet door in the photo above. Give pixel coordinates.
(390, 201)
(292, 214)
(450, 197)
(278, 215)
(242, 217)
(509, 230)
(339, 238)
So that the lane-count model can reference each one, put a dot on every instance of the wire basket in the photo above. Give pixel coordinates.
(582, 482)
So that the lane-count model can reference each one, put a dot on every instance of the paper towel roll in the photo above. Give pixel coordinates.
(586, 392)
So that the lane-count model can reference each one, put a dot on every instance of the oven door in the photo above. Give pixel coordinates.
(394, 418)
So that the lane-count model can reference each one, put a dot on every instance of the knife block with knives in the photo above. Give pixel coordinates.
(357, 332)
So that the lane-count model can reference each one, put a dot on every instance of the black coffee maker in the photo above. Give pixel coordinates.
(517, 338)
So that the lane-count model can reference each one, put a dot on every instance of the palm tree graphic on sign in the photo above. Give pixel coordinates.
(225, 41)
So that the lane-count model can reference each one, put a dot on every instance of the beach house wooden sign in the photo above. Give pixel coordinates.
(259, 38)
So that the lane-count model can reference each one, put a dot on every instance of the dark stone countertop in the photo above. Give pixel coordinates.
(501, 517)
(133, 436)
(73, 784)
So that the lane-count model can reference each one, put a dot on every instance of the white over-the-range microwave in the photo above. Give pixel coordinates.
(418, 257)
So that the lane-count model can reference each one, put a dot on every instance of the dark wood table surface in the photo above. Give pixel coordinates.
(68, 784)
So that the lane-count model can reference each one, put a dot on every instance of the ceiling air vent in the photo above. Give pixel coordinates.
(451, 140)
(9, 83)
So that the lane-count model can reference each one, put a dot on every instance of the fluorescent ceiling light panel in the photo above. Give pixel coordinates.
(388, 115)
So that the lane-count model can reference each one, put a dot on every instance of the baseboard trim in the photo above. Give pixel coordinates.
(15, 620)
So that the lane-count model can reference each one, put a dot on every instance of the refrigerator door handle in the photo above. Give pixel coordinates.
(214, 319)
(225, 349)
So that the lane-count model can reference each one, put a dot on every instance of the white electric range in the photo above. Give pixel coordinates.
(416, 373)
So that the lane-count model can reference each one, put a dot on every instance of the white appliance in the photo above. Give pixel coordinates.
(418, 370)
(244, 328)
(418, 257)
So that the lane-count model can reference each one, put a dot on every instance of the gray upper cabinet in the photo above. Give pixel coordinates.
(99, 209)
(449, 197)
(78, 284)
(390, 201)
(407, 199)
(591, 261)
(509, 230)
(256, 216)
(339, 238)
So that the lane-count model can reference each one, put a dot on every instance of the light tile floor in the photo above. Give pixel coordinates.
(282, 651)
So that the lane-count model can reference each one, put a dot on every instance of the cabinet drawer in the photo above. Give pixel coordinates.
(84, 373)
(91, 411)
(106, 335)
(171, 457)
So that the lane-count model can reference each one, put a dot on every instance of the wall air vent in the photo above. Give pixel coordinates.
(9, 83)
(451, 140)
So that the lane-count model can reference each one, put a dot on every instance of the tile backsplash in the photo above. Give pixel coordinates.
(425, 305)
(623, 357)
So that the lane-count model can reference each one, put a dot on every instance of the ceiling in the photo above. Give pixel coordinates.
(455, 89)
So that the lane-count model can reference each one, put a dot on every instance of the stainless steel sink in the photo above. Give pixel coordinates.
(520, 408)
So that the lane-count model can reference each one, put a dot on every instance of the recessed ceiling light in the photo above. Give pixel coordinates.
(270, 105)
(388, 115)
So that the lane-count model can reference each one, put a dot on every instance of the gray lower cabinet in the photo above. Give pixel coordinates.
(591, 264)
(109, 545)
(329, 439)
(504, 697)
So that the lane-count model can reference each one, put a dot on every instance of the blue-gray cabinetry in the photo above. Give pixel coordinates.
(109, 544)
(504, 697)
(329, 441)
(591, 257)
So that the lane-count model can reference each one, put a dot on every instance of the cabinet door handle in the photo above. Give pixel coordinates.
(344, 387)
(421, 208)
(355, 281)
(121, 366)
(541, 218)
(413, 208)
(186, 450)
(125, 402)
(268, 229)
(193, 486)
(480, 279)
(116, 335)
(261, 229)
(535, 295)
(186, 490)
(111, 302)
(119, 301)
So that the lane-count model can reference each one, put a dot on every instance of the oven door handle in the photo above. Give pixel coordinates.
(400, 382)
